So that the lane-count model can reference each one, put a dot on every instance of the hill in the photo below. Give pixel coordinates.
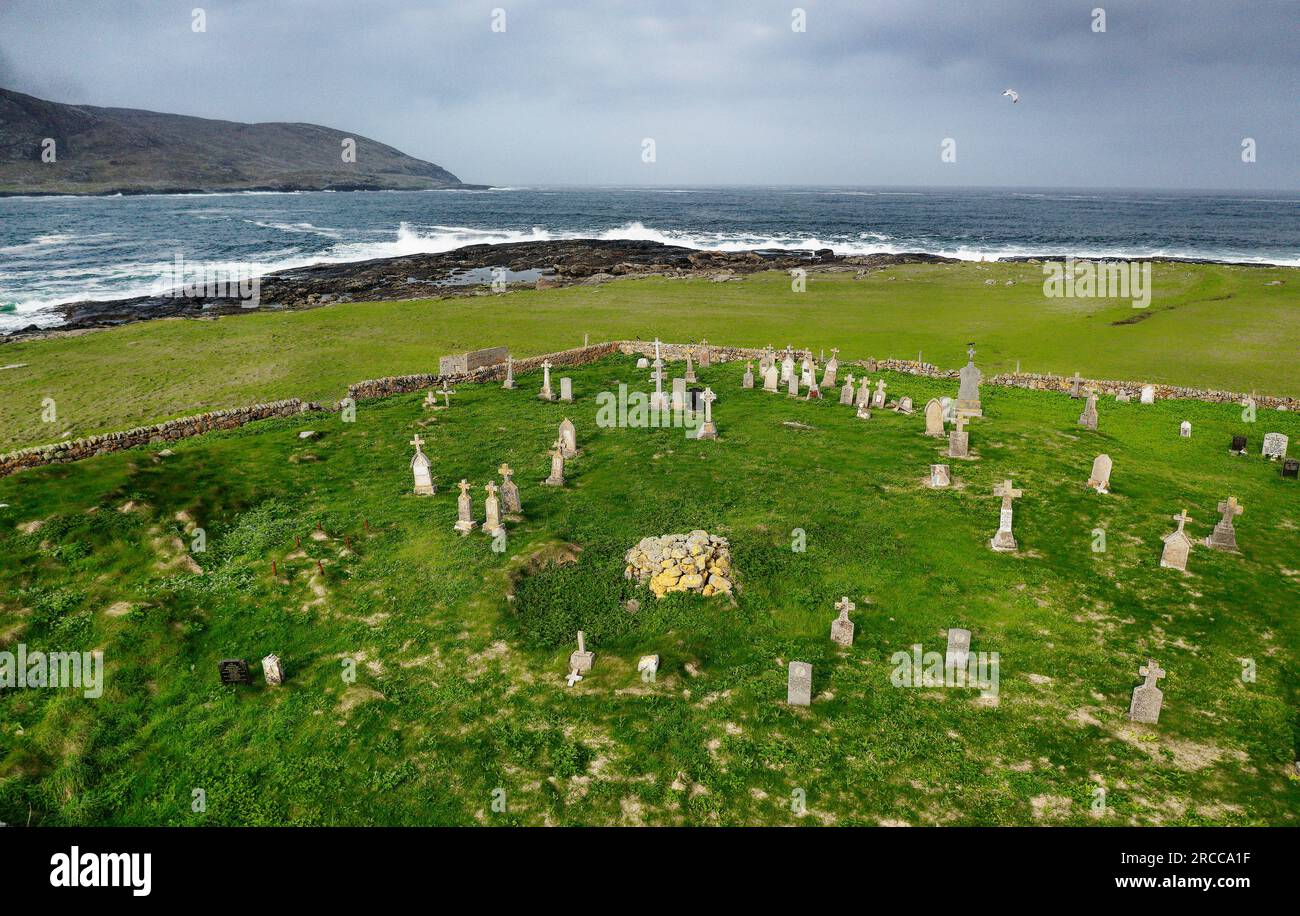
(130, 151)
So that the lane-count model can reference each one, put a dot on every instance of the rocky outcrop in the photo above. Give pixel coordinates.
(696, 562)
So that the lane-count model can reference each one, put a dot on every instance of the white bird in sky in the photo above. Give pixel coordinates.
(1011, 94)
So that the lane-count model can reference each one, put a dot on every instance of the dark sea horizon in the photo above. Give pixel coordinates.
(62, 249)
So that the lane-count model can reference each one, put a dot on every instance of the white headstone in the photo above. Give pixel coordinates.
(799, 684)
(1274, 446)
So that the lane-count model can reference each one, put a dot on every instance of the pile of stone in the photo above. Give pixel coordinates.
(696, 562)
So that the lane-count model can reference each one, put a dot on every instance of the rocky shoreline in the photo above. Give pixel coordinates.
(462, 272)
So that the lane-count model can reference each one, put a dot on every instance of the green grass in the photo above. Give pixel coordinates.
(1208, 325)
(459, 689)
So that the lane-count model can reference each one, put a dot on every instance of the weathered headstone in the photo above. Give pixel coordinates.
(566, 388)
(690, 368)
(878, 398)
(272, 670)
(420, 469)
(1074, 386)
(1185, 429)
(1238, 446)
(957, 653)
(832, 370)
(939, 477)
(842, 627)
(707, 429)
(234, 671)
(787, 365)
(1224, 536)
(864, 393)
(748, 380)
(679, 394)
(648, 666)
(959, 439)
(464, 509)
(949, 407)
(792, 386)
(799, 684)
(1291, 468)
(1099, 479)
(706, 357)
(846, 392)
(492, 511)
(968, 390)
(557, 466)
(1004, 540)
(568, 438)
(904, 405)
(807, 372)
(1177, 544)
(1088, 419)
(509, 491)
(643, 363)
(864, 413)
(1274, 446)
(771, 378)
(1148, 395)
(933, 418)
(581, 660)
(1147, 697)
(510, 373)
(1122, 396)
(546, 394)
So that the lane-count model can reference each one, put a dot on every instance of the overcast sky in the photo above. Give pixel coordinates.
(730, 93)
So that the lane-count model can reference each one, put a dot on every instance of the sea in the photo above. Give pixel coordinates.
(62, 249)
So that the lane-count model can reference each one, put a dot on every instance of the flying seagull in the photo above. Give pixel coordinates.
(1012, 94)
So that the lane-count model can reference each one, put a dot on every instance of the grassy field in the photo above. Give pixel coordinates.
(1208, 325)
(459, 698)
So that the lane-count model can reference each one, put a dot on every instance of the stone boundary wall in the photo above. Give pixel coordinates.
(167, 431)
(184, 427)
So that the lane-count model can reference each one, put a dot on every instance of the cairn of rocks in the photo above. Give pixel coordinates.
(695, 562)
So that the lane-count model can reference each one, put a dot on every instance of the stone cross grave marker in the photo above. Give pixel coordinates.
(464, 509)
(706, 358)
(842, 627)
(878, 399)
(581, 660)
(557, 466)
(959, 439)
(690, 367)
(420, 468)
(708, 430)
(1224, 536)
(572, 678)
(1147, 697)
(1088, 419)
(968, 389)
(933, 418)
(846, 392)
(1099, 479)
(546, 394)
(748, 380)
(864, 393)
(1004, 540)
(492, 511)
(510, 373)
(1074, 386)
(799, 684)
(446, 393)
(509, 491)
(1177, 544)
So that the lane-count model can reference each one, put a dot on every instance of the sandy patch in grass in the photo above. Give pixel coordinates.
(1051, 807)
(355, 695)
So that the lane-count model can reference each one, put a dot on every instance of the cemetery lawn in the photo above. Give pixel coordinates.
(459, 688)
(1208, 325)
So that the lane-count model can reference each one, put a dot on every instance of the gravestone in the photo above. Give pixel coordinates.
(566, 388)
(461, 363)
(1177, 544)
(1148, 395)
(949, 407)
(706, 358)
(1004, 540)
(863, 412)
(792, 386)
(557, 466)
(1122, 396)
(831, 374)
(806, 372)
(492, 511)
(957, 653)
(1099, 480)
(509, 491)
(568, 438)
(648, 666)
(658, 400)
(904, 405)
(933, 418)
(864, 393)
(420, 468)
(1291, 468)
(1074, 386)
(581, 660)
(679, 394)
(1147, 697)
(799, 685)
(968, 390)
(272, 671)
(959, 439)
(509, 383)
(814, 390)
(464, 509)
(708, 430)
(878, 398)
(1088, 419)
(690, 368)
(787, 365)
(546, 394)
(643, 363)
(939, 476)
(1185, 429)
(771, 378)
(1274, 446)
(748, 380)
(1238, 446)
(1224, 535)
(234, 671)
(841, 626)
(846, 392)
